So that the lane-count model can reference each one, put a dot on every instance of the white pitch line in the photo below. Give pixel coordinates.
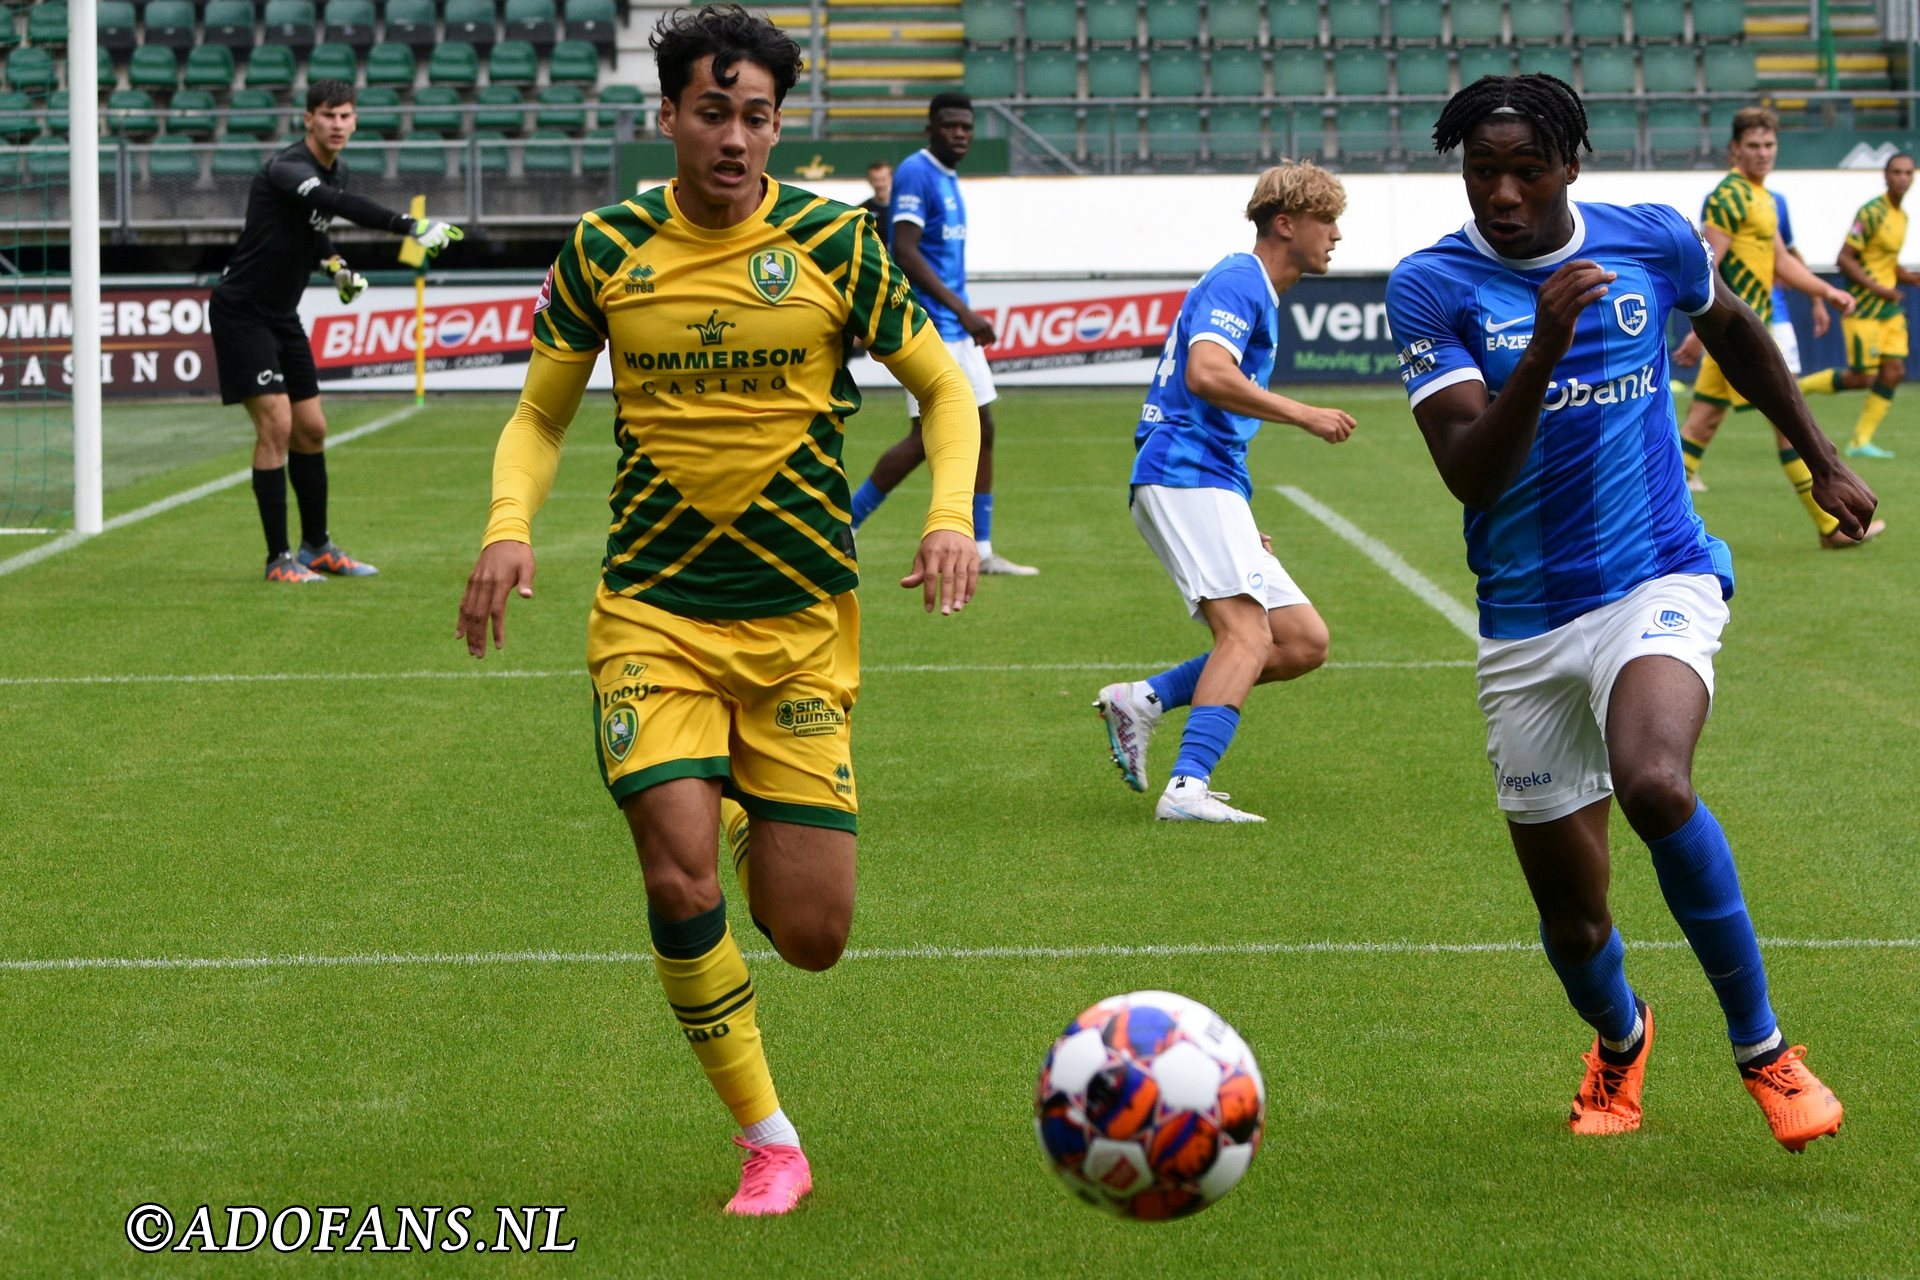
(1152, 951)
(68, 541)
(1381, 554)
(880, 668)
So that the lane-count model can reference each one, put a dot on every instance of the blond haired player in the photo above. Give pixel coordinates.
(723, 644)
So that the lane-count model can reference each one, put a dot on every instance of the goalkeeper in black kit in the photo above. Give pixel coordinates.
(259, 344)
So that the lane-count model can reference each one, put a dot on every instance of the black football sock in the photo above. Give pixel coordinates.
(308, 471)
(270, 494)
(1624, 1057)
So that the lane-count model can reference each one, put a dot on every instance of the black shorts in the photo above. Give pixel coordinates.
(260, 355)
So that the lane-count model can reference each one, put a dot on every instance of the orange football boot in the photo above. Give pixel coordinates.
(1609, 1097)
(1797, 1106)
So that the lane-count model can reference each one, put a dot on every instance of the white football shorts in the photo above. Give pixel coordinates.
(1210, 546)
(1545, 697)
(972, 360)
(1789, 343)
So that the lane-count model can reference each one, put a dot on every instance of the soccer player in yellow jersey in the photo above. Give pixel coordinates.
(1741, 226)
(723, 644)
(1876, 332)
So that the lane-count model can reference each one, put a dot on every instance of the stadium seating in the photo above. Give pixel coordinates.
(574, 62)
(534, 21)
(47, 24)
(1422, 70)
(390, 65)
(436, 110)
(31, 70)
(470, 21)
(1606, 69)
(1537, 21)
(173, 158)
(595, 21)
(1659, 20)
(1299, 73)
(331, 61)
(229, 23)
(1596, 21)
(289, 24)
(992, 73)
(1415, 22)
(1233, 22)
(548, 152)
(1355, 23)
(1475, 21)
(170, 24)
(1176, 73)
(513, 62)
(616, 96)
(270, 67)
(18, 120)
(1235, 134)
(1048, 22)
(1113, 73)
(153, 68)
(209, 66)
(1668, 70)
(561, 109)
(350, 22)
(376, 109)
(503, 109)
(238, 159)
(1719, 19)
(1111, 22)
(423, 161)
(116, 25)
(991, 23)
(190, 114)
(411, 23)
(453, 63)
(252, 113)
(1175, 22)
(1294, 21)
(1728, 68)
(1237, 72)
(129, 113)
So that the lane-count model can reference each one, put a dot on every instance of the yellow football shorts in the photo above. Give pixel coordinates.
(763, 704)
(1871, 341)
(1712, 386)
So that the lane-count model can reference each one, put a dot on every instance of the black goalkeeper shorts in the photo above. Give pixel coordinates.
(260, 355)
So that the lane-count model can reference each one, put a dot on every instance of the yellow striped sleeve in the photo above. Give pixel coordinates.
(528, 455)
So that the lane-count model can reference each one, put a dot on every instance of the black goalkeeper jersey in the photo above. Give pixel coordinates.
(289, 206)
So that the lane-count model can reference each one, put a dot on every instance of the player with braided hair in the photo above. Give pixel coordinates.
(1533, 350)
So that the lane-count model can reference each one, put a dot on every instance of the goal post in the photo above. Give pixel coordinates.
(83, 186)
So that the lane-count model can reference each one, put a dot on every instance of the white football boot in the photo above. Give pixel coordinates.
(1131, 711)
(1188, 800)
(994, 562)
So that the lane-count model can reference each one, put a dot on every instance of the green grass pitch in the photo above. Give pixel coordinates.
(361, 791)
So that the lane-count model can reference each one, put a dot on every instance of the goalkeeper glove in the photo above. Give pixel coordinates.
(347, 282)
(435, 235)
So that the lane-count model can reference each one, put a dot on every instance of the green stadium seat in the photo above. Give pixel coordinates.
(1173, 22)
(1052, 73)
(574, 62)
(1175, 136)
(1422, 71)
(436, 111)
(1360, 71)
(252, 113)
(1233, 22)
(1555, 62)
(991, 73)
(47, 157)
(390, 64)
(173, 158)
(1299, 73)
(235, 159)
(502, 109)
(513, 62)
(57, 118)
(350, 22)
(190, 114)
(491, 150)
(229, 24)
(595, 21)
(170, 24)
(291, 24)
(1059, 126)
(1719, 20)
(378, 110)
(1112, 21)
(31, 71)
(1599, 21)
(332, 61)
(1613, 128)
(453, 63)
(617, 96)
(548, 152)
(1538, 21)
(535, 21)
(115, 25)
(270, 67)
(413, 23)
(596, 152)
(1299, 133)
(1673, 133)
(1729, 67)
(9, 37)
(103, 73)
(1238, 73)
(1236, 134)
(153, 68)
(423, 161)
(1364, 129)
(1176, 73)
(471, 22)
(1475, 22)
(1477, 61)
(209, 66)
(1355, 22)
(129, 113)
(1658, 20)
(1416, 21)
(47, 23)
(1668, 69)
(1605, 69)
(1113, 73)
(1293, 21)
(562, 109)
(19, 122)
(992, 24)
(1050, 22)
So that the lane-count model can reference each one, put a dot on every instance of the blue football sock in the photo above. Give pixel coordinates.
(1209, 730)
(866, 500)
(983, 517)
(1702, 889)
(1597, 988)
(1174, 686)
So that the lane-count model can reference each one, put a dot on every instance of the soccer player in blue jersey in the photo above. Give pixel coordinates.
(929, 241)
(1532, 346)
(1190, 494)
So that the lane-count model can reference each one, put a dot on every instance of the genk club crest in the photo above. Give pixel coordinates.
(772, 273)
(618, 731)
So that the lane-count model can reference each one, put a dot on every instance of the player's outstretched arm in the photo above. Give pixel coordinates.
(503, 568)
(1853, 269)
(1755, 367)
(1796, 274)
(1214, 375)
(297, 177)
(946, 567)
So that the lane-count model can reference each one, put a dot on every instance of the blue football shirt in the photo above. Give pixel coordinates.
(1601, 504)
(1185, 442)
(1786, 238)
(927, 193)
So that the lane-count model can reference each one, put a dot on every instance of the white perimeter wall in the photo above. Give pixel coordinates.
(1183, 225)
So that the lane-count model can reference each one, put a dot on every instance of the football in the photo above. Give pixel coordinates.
(1150, 1106)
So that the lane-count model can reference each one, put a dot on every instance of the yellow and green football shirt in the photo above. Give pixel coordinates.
(1745, 211)
(729, 350)
(1878, 234)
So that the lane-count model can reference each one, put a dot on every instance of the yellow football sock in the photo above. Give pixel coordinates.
(1825, 382)
(1692, 453)
(733, 834)
(1879, 400)
(1802, 481)
(707, 984)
